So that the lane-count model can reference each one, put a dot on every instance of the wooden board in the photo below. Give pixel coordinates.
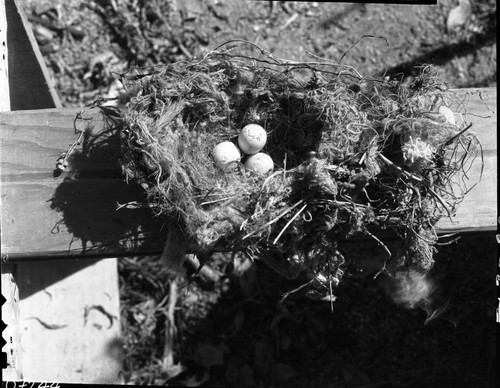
(86, 347)
(69, 318)
(27, 71)
(86, 220)
(478, 211)
(4, 62)
(10, 317)
(74, 214)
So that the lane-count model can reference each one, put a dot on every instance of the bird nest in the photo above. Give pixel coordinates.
(353, 157)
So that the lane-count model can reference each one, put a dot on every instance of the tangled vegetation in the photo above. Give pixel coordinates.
(354, 156)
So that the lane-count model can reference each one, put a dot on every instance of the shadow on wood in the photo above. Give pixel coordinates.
(78, 212)
(94, 203)
(90, 201)
(70, 321)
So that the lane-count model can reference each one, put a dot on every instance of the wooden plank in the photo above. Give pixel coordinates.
(27, 71)
(10, 317)
(4, 62)
(86, 348)
(86, 204)
(10, 292)
(32, 141)
(69, 316)
(478, 211)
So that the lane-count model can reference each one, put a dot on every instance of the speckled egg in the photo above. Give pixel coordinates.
(448, 114)
(225, 153)
(260, 163)
(252, 138)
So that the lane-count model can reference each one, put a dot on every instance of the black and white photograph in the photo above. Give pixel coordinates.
(249, 193)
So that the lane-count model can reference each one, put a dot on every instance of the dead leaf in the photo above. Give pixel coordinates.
(353, 376)
(208, 355)
(459, 15)
(263, 357)
(246, 272)
(239, 320)
(193, 381)
(232, 374)
(281, 373)
(246, 376)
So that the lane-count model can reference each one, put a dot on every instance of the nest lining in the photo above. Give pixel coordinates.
(352, 156)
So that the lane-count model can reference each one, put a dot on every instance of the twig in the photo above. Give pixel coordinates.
(168, 353)
(289, 21)
(289, 222)
(450, 140)
(289, 209)
(205, 272)
(62, 161)
(442, 201)
(406, 173)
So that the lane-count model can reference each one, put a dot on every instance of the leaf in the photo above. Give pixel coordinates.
(239, 320)
(246, 376)
(246, 274)
(232, 375)
(263, 357)
(354, 376)
(281, 373)
(209, 355)
(247, 281)
(194, 381)
(459, 15)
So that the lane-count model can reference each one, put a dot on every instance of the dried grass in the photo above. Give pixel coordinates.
(354, 155)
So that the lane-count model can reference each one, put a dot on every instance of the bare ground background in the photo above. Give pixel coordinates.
(234, 332)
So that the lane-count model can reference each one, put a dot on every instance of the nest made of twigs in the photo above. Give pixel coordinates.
(353, 155)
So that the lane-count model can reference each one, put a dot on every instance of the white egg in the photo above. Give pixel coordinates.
(252, 138)
(448, 114)
(225, 153)
(260, 163)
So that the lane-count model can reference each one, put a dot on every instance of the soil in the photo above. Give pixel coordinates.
(235, 331)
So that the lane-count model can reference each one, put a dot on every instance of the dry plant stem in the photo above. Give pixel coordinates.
(168, 353)
(64, 157)
(289, 222)
(287, 294)
(282, 214)
(206, 273)
(406, 173)
(442, 202)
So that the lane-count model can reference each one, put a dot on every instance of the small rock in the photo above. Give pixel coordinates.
(459, 15)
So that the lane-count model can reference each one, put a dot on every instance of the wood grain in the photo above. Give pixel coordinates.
(27, 71)
(4, 62)
(70, 321)
(76, 213)
(478, 211)
(40, 295)
(10, 317)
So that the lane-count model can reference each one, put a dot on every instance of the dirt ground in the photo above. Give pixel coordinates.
(235, 332)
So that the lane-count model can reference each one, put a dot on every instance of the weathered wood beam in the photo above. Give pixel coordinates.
(76, 213)
(32, 85)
